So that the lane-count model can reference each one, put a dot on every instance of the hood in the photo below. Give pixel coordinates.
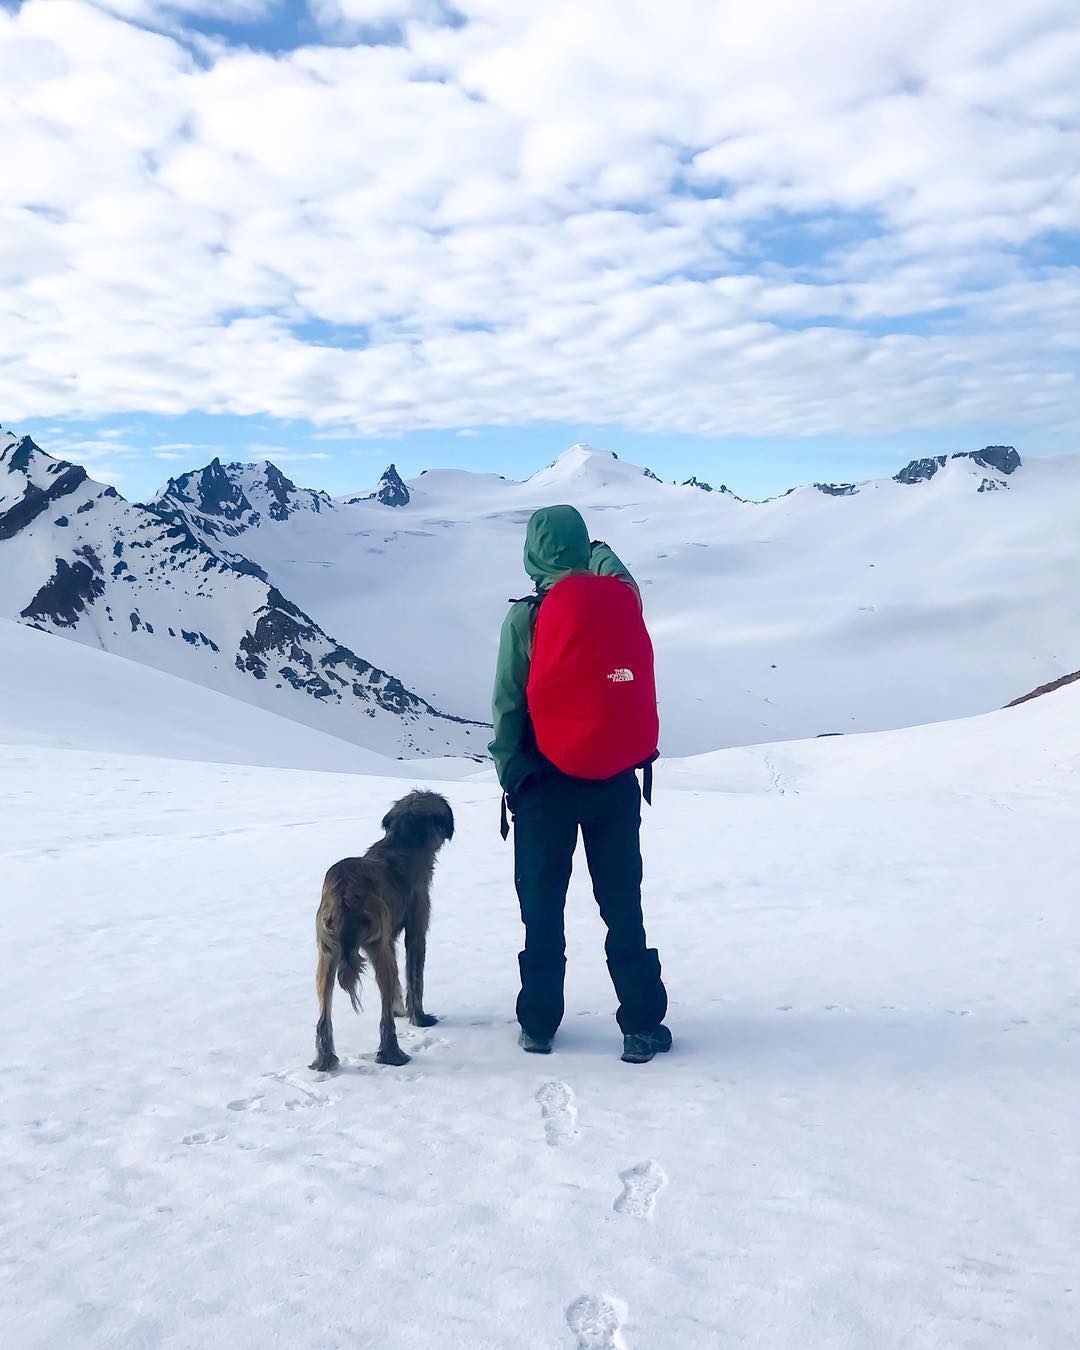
(556, 543)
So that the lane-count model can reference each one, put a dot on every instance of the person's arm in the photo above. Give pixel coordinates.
(513, 748)
(605, 562)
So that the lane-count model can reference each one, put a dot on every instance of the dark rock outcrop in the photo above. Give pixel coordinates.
(1050, 688)
(391, 491)
(700, 483)
(71, 589)
(1003, 458)
(65, 478)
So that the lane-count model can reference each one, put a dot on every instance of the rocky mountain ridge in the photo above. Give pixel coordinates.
(147, 582)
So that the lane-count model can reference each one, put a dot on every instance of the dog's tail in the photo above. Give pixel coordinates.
(351, 965)
(339, 930)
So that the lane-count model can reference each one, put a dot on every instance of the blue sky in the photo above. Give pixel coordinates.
(166, 447)
(343, 232)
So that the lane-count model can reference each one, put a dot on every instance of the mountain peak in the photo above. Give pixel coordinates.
(1001, 458)
(583, 464)
(33, 482)
(226, 499)
(391, 490)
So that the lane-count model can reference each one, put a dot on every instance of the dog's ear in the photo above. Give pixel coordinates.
(400, 823)
(445, 819)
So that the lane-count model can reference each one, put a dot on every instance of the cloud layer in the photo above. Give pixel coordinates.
(701, 217)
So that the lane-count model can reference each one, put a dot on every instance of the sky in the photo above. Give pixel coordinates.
(764, 244)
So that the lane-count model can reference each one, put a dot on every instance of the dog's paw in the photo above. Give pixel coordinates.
(324, 1063)
(395, 1056)
(424, 1020)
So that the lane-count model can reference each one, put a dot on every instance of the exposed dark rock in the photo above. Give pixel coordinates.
(66, 595)
(285, 493)
(837, 489)
(19, 461)
(392, 490)
(244, 566)
(921, 470)
(655, 477)
(211, 492)
(993, 485)
(1004, 458)
(1050, 688)
(35, 500)
(86, 506)
(87, 553)
(700, 483)
(62, 521)
(197, 639)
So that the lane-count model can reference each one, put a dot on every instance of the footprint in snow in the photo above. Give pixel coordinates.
(307, 1102)
(596, 1320)
(641, 1185)
(245, 1103)
(202, 1137)
(559, 1111)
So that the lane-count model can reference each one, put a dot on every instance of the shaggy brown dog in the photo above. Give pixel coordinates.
(366, 903)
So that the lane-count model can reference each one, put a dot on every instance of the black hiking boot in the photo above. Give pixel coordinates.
(640, 1047)
(534, 1045)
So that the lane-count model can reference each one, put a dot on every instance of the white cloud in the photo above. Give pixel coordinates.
(467, 431)
(345, 15)
(158, 11)
(283, 454)
(694, 217)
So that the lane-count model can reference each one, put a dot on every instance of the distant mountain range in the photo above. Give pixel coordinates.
(154, 584)
(374, 616)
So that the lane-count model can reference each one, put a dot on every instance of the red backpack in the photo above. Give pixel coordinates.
(592, 690)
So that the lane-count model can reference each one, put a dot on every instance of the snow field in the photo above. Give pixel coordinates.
(865, 1136)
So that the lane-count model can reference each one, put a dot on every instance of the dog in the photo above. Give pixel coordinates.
(366, 904)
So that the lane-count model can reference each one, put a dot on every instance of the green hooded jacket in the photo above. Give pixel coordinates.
(556, 545)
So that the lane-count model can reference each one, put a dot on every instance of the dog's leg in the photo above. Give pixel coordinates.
(415, 956)
(325, 1060)
(386, 974)
(399, 1001)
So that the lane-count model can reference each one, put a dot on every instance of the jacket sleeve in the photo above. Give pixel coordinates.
(605, 562)
(514, 748)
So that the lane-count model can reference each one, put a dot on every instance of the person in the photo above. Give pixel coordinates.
(549, 807)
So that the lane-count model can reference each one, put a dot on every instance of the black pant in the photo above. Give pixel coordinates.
(547, 815)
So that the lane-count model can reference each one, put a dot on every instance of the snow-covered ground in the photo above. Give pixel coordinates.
(861, 1140)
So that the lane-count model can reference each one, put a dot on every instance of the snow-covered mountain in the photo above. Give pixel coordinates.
(947, 590)
(140, 582)
(224, 500)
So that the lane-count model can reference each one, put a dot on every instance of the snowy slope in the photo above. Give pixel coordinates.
(77, 559)
(66, 695)
(849, 608)
(861, 1139)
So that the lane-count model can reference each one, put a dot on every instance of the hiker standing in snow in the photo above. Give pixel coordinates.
(575, 714)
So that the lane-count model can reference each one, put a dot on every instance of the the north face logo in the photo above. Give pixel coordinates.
(621, 676)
